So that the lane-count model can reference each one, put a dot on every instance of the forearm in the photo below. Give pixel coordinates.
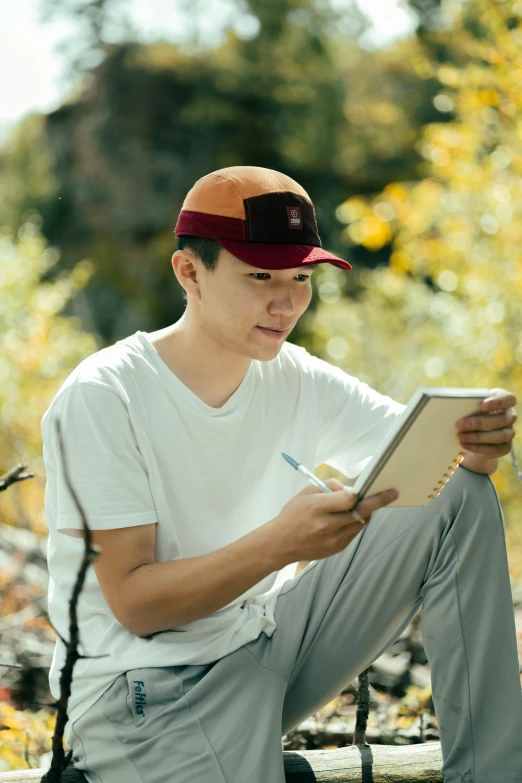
(163, 596)
(479, 464)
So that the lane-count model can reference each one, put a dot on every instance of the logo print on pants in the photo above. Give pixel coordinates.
(140, 697)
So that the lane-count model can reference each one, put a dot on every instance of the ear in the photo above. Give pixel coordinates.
(186, 271)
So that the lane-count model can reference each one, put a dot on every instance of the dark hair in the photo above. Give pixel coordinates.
(205, 249)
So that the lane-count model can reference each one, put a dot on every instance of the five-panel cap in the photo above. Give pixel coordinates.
(259, 215)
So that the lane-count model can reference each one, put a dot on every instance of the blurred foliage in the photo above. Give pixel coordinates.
(39, 347)
(25, 737)
(108, 170)
(97, 21)
(448, 310)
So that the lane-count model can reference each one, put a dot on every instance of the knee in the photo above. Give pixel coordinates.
(481, 482)
(466, 486)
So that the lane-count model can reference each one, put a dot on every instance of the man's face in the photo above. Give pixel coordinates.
(236, 299)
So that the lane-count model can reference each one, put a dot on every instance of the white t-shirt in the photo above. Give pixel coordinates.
(142, 448)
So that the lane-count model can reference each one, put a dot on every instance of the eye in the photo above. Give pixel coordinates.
(260, 274)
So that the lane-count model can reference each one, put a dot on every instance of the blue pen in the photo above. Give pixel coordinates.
(308, 473)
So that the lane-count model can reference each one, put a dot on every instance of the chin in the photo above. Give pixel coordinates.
(271, 350)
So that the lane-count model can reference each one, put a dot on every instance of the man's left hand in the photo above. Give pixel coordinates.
(491, 433)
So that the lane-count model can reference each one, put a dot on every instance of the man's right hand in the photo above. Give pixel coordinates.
(316, 524)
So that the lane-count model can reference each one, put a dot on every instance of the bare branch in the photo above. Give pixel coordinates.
(363, 709)
(59, 761)
(14, 475)
(27, 739)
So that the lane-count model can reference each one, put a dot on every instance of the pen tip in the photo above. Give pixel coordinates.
(291, 460)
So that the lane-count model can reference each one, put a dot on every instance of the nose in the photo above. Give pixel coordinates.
(283, 303)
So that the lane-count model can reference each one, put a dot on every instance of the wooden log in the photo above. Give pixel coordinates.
(420, 763)
(357, 763)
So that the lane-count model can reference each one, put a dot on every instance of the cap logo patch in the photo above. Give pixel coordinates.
(294, 217)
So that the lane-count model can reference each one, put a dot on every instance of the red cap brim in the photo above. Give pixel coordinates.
(264, 255)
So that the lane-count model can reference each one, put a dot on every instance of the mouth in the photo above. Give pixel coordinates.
(276, 333)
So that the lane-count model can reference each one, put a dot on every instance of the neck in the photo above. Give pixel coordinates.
(204, 366)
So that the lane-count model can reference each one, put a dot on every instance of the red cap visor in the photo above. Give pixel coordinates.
(264, 255)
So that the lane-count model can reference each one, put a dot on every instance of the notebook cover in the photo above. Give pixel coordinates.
(421, 447)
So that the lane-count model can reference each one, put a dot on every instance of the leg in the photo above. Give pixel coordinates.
(341, 613)
(212, 723)
(120, 738)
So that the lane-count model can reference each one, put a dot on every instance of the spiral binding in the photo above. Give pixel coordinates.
(454, 465)
(452, 468)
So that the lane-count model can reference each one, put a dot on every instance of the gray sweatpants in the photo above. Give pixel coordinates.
(223, 722)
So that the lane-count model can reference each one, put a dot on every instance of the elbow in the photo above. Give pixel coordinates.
(144, 608)
(129, 606)
(144, 625)
(144, 629)
(141, 621)
(133, 625)
(134, 621)
(141, 632)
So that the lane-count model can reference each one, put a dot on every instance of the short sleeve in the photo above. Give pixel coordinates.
(104, 463)
(353, 418)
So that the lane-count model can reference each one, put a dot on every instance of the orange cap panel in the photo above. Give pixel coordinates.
(222, 192)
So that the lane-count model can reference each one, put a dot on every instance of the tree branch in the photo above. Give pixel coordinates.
(14, 475)
(59, 761)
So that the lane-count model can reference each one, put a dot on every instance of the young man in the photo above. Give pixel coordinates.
(173, 442)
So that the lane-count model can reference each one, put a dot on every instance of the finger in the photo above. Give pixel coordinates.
(367, 506)
(341, 499)
(500, 400)
(492, 436)
(335, 484)
(341, 502)
(359, 518)
(492, 421)
(312, 489)
(490, 450)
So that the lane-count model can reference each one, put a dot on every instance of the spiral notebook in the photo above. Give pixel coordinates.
(422, 451)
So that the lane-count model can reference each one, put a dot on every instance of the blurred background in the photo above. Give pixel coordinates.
(401, 118)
